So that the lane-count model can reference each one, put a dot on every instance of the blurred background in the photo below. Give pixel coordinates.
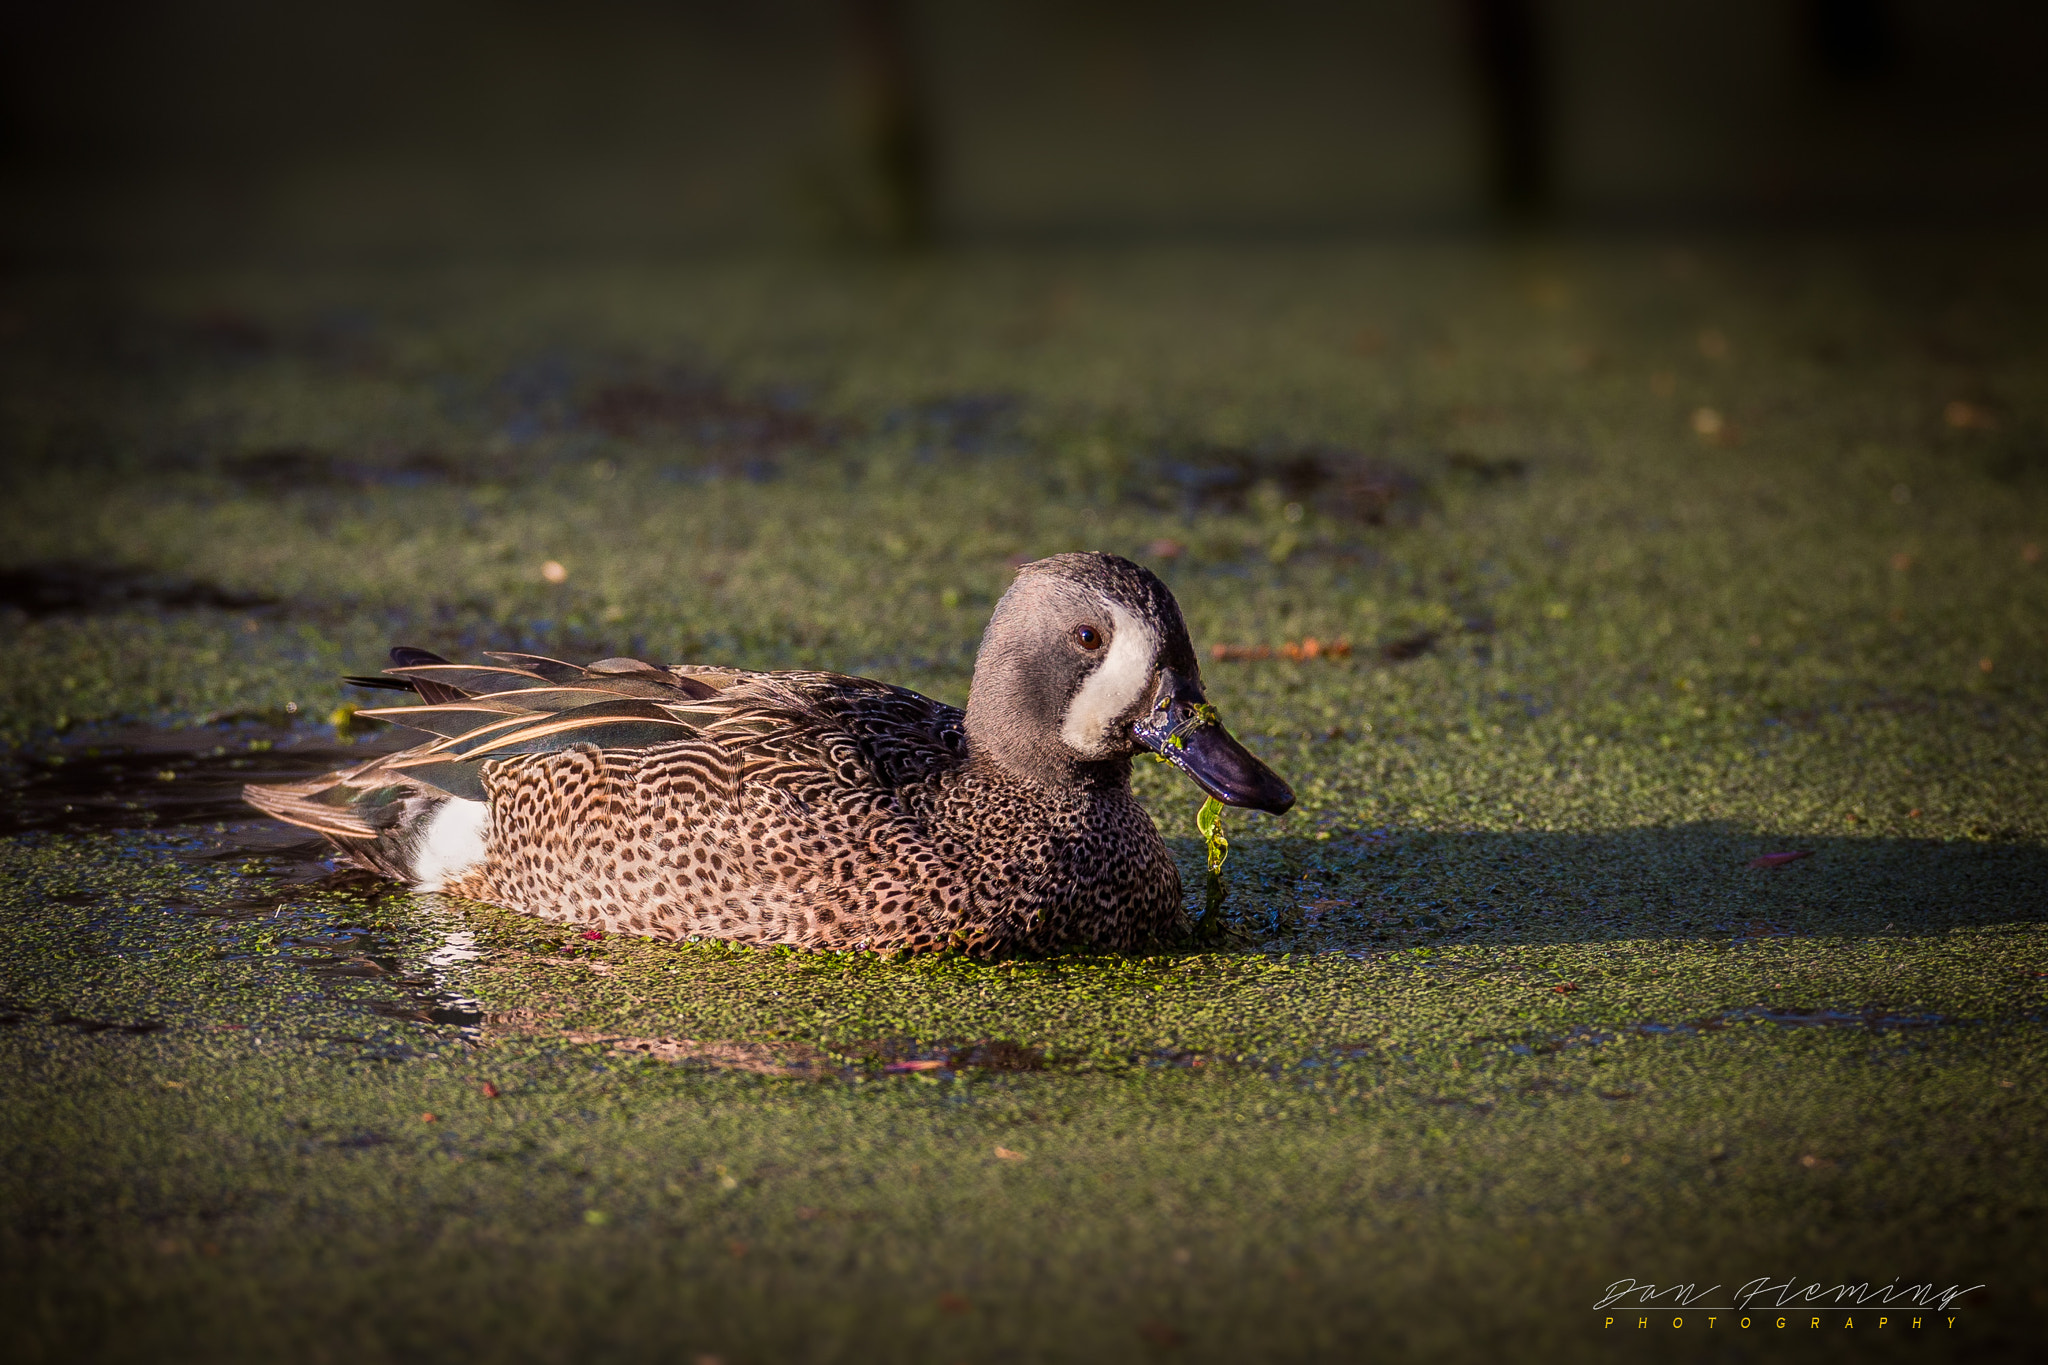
(221, 129)
(511, 325)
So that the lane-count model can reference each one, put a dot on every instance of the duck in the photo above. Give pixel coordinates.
(809, 809)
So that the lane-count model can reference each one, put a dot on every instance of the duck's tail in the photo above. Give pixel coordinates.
(382, 817)
(421, 816)
(383, 821)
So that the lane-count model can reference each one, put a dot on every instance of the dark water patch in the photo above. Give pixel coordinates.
(292, 869)
(341, 938)
(702, 410)
(1344, 484)
(972, 424)
(342, 338)
(63, 588)
(1872, 1019)
(436, 1014)
(795, 1059)
(1467, 1102)
(295, 469)
(1407, 647)
(159, 779)
(753, 470)
(995, 1054)
(358, 968)
(66, 1019)
(362, 1141)
(1482, 470)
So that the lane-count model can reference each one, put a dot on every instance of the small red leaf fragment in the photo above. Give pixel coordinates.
(490, 1091)
(1294, 651)
(1780, 859)
(1565, 987)
(429, 1118)
(594, 935)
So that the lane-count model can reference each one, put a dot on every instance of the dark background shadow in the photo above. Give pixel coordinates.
(226, 129)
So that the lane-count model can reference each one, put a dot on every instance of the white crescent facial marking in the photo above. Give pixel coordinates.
(451, 844)
(1116, 686)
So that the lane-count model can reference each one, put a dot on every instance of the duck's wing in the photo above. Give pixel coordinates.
(528, 704)
(784, 727)
(822, 731)
(523, 704)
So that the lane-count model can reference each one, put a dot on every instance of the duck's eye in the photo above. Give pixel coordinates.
(1088, 637)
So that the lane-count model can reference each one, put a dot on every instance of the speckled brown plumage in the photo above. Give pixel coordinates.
(811, 809)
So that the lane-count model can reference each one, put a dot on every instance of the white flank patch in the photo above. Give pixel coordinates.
(1116, 686)
(451, 844)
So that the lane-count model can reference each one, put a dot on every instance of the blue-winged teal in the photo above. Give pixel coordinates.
(810, 808)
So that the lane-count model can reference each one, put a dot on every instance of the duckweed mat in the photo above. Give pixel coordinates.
(1655, 635)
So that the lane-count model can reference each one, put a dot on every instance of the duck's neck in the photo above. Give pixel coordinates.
(1013, 723)
(1052, 768)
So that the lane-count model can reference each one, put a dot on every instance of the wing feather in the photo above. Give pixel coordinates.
(554, 670)
(449, 720)
(469, 679)
(299, 803)
(628, 724)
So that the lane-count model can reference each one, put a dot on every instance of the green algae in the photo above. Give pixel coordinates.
(1499, 1014)
(1215, 841)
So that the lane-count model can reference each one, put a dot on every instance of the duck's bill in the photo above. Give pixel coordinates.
(1185, 731)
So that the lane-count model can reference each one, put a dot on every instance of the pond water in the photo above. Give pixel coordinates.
(175, 795)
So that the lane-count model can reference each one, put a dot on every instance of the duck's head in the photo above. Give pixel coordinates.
(1087, 662)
